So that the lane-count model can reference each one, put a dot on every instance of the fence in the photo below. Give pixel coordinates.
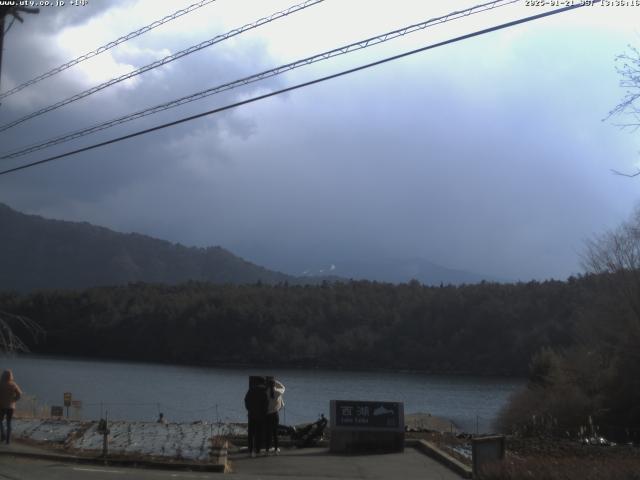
(29, 406)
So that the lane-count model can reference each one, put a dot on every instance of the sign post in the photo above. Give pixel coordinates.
(103, 428)
(365, 426)
(67, 401)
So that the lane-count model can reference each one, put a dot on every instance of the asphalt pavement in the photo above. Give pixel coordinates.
(25, 468)
(20, 462)
(319, 464)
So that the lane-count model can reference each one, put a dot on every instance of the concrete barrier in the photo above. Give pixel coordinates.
(439, 455)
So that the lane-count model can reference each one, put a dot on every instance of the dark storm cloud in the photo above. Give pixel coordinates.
(92, 177)
(499, 182)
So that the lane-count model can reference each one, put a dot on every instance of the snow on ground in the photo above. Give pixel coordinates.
(49, 430)
(189, 441)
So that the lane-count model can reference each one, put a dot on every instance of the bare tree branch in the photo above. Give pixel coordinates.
(9, 341)
(628, 67)
(626, 174)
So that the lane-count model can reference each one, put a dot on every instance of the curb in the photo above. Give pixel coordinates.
(447, 460)
(221, 464)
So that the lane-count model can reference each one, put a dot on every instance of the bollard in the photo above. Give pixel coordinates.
(102, 428)
(105, 445)
(485, 451)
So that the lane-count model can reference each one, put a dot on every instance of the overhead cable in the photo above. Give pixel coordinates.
(259, 76)
(299, 85)
(107, 46)
(164, 61)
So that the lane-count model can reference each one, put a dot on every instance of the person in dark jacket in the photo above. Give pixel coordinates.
(10, 393)
(256, 403)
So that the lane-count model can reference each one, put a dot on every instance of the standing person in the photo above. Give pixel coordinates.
(10, 393)
(275, 390)
(256, 403)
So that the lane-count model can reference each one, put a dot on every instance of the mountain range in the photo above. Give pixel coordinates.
(39, 253)
(399, 270)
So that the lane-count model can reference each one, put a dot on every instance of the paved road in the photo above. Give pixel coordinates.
(309, 464)
(19, 468)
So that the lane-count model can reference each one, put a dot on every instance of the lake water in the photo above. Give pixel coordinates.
(139, 391)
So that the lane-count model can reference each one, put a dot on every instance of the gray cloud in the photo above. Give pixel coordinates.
(491, 162)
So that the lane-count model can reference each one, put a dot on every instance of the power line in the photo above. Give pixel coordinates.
(259, 76)
(300, 85)
(164, 61)
(107, 46)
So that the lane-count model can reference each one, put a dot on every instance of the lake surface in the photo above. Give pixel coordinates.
(139, 391)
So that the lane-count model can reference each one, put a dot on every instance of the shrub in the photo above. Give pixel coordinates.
(563, 469)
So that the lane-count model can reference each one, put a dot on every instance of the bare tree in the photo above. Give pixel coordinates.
(596, 377)
(628, 67)
(9, 340)
(616, 254)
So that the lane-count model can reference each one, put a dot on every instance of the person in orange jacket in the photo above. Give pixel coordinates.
(10, 393)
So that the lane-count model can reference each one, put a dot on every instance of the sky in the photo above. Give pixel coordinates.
(491, 155)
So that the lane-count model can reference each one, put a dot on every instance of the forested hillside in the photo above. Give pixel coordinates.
(38, 253)
(477, 329)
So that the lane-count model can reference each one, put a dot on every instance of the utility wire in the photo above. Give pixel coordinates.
(300, 85)
(107, 46)
(259, 76)
(164, 61)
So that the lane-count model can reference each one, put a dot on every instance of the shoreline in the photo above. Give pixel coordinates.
(217, 392)
(249, 366)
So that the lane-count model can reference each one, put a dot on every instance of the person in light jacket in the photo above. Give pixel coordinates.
(275, 390)
(10, 393)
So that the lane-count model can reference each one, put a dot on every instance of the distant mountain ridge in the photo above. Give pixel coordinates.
(400, 270)
(39, 253)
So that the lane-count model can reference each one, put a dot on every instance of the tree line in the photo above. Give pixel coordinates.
(486, 328)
